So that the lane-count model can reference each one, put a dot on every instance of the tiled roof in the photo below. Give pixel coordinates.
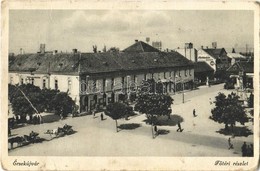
(235, 55)
(97, 62)
(214, 52)
(94, 63)
(247, 67)
(43, 63)
(140, 47)
(202, 66)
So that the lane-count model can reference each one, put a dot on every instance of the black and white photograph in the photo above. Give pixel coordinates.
(113, 82)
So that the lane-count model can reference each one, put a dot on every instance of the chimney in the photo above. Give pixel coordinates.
(21, 51)
(42, 48)
(214, 45)
(74, 51)
(201, 47)
(136, 40)
(55, 52)
(95, 48)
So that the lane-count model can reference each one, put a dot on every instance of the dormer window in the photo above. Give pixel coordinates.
(38, 63)
(60, 65)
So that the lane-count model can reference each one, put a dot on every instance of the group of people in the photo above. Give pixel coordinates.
(247, 150)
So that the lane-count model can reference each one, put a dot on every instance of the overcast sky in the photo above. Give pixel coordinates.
(67, 29)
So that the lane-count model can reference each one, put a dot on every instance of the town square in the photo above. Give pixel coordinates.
(147, 83)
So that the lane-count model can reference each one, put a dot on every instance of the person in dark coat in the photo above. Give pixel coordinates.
(194, 112)
(251, 150)
(230, 144)
(155, 130)
(179, 127)
(102, 116)
(244, 149)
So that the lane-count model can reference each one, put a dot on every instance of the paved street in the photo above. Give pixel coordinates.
(99, 138)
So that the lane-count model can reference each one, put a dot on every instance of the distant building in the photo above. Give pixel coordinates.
(236, 57)
(96, 79)
(243, 72)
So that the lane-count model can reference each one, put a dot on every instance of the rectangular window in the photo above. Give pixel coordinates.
(104, 85)
(32, 81)
(164, 75)
(145, 76)
(190, 71)
(152, 75)
(186, 72)
(112, 83)
(43, 83)
(94, 85)
(56, 84)
(179, 71)
(21, 81)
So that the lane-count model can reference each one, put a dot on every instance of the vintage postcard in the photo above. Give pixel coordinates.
(129, 85)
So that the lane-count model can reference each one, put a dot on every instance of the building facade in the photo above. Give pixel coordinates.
(96, 79)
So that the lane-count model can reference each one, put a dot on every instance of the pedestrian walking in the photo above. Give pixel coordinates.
(230, 144)
(194, 112)
(251, 150)
(102, 116)
(155, 130)
(179, 127)
(244, 149)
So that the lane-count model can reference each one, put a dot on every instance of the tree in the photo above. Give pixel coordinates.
(26, 99)
(63, 104)
(228, 110)
(117, 111)
(49, 95)
(154, 105)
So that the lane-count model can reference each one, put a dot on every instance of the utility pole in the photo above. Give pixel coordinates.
(182, 92)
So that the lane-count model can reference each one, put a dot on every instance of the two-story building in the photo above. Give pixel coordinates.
(96, 79)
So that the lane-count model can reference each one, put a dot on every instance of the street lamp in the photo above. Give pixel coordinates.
(182, 92)
(181, 81)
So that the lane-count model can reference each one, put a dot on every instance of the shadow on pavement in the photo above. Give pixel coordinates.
(163, 132)
(166, 121)
(129, 126)
(237, 131)
(50, 118)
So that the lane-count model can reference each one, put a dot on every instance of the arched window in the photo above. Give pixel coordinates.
(44, 83)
